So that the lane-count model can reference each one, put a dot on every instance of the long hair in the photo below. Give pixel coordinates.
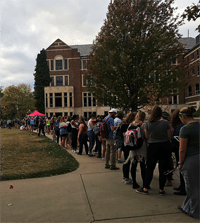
(175, 120)
(155, 114)
(83, 120)
(129, 118)
(140, 115)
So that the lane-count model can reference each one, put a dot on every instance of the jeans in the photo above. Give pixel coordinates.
(98, 145)
(91, 137)
(83, 141)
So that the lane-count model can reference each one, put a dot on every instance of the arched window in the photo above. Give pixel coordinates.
(189, 91)
(197, 91)
(59, 62)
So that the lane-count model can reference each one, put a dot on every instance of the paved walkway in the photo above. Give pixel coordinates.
(89, 194)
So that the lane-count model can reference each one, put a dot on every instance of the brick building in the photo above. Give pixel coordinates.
(68, 95)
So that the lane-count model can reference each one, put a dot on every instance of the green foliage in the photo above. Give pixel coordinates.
(42, 79)
(192, 13)
(134, 50)
(197, 113)
(17, 101)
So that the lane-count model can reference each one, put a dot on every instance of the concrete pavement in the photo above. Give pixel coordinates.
(89, 194)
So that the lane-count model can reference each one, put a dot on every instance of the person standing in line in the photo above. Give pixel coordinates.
(57, 129)
(189, 161)
(69, 129)
(158, 132)
(138, 155)
(41, 126)
(82, 136)
(176, 125)
(63, 131)
(52, 123)
(91, 134)
(97, 136)
(32, 121)
(110, 157)
(117, 121)
(74, 125)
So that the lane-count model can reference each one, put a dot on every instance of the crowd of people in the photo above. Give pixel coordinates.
(157, 138)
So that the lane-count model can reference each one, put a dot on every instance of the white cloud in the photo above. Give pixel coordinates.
(28, 26)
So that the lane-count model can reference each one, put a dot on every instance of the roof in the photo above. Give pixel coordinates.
(189, 42)
(84, 50)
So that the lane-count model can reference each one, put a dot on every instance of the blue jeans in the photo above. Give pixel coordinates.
(91, 137)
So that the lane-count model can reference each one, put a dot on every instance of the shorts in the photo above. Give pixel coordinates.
(64, 135)
(32, 125)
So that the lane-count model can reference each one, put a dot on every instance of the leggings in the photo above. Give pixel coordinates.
(74, 138)
(157, 152)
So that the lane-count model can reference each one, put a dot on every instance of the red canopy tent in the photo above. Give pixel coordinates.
(35, 113)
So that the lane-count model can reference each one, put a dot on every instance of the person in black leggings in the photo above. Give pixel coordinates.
(158, 132)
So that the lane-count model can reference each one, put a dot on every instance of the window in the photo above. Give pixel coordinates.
(57, 114)
(59, 64)
(58, 99)
(46, 100)
(84, 64)
(175, 99)
(174, 61)
(189, 91)
(197, 53)
(66, 80)
(66, 64)
(52, 64)
(59, 81)
(70, 100)
(66, 114)
(51, 100)
(88, 100)
(65, 99)
(197, 91)
(192, 56)
(51, 114)
(193, 71)
(198, 72)
(52, 81)
(84, 82)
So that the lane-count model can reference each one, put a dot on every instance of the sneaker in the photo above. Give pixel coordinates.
(72, 150)
(129, 181)
(107, 167)
(114, 168)
(76, 151)
(141, 191)
(136, 185)
(120, 161)
(162, 192)
(103, 158)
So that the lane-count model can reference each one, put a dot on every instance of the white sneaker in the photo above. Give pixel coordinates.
(72, 150)
(77, 151)
(103, 158)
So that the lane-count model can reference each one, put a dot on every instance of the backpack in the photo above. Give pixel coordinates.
(96, 128)
(103, 129)
(133, 138)
(118, 137)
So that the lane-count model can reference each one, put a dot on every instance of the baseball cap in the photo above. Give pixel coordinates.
(113, 110)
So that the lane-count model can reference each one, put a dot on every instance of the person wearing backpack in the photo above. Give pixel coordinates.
(138, 155)
(110, 156)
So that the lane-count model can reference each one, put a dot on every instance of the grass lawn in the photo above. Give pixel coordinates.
(29, 156)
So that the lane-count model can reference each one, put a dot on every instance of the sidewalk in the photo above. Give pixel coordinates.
(89, 194)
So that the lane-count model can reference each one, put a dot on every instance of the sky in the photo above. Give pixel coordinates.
(28, 26)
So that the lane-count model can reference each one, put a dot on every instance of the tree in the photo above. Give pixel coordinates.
(17, 101)
(42, 79)
(134, 50)
(192, 13)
